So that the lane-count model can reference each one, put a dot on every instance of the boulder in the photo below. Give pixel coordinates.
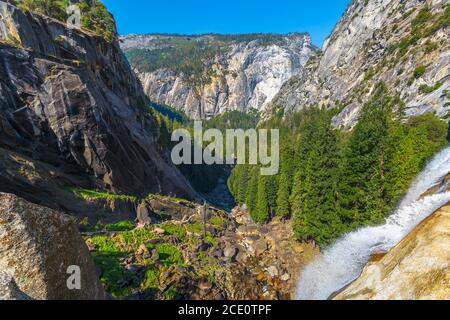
(37, 247)
(285, 277)
(143, 213)
(259, 247)
(9, 289)
(159, 231)
(230, 252)
(273, 271)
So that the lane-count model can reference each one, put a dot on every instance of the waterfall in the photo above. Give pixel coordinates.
(343, 262)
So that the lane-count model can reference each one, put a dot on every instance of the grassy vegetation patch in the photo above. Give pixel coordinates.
(92, 194)
(425, 89)
(126, 225)
(168, 254)
(419, 71)
(175, 230)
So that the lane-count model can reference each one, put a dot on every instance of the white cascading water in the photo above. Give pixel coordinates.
(343, 262)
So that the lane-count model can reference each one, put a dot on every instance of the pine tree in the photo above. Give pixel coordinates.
(242, 184)
(261, 212)
(283, 209)
(363, 180)
(252, 190)
(296, 203)
(320, 216)
(272, 189)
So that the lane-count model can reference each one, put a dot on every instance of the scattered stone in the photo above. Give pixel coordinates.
(230, 252)
(285, 277)
(143, 213)
(159, 231)
(134, 268)
(262, 276)
(260, 247)
(219, 297)
(216, 252)
(241, 257)
(154, 255)
(91, 246)
(204, 285)
(273, 271)
(141, 250)
(155, 241)
(247, 230)
(203, 246)
(252, 239)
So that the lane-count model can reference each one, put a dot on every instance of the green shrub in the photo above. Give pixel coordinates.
(419, 71)
(120, 226)
(94, 15)
(92, 194)
(427, 89)
(175, 230)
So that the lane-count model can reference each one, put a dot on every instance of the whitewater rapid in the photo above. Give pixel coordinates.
(343, 262)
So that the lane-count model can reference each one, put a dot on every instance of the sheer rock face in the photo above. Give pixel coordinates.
(37, 245)
(71, 114)
(417, 268)
(361, 52)
(247, 75)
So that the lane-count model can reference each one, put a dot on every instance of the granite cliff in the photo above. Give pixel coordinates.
(402, 43)
(211, 74)
(73, 114)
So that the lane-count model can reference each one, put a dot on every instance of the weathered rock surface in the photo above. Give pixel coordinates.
(418, 268)
(368, 46)
(258, 262)
(72, 113)
(270, 254)
(9, 289)
(248, 74)
(37, 245)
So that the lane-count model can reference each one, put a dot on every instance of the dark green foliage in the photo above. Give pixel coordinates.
(363, 177)
(320, 185)
(252, 189)
(419, 71)
(94, 15)
(261, 212)
(331, 182)
(427, 89)
(424, 24)
(233, 120)
(283, 208)
(120, 226)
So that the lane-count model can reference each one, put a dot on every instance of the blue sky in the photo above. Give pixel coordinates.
(317, 17)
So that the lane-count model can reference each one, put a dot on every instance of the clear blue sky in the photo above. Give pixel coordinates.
(317, 17)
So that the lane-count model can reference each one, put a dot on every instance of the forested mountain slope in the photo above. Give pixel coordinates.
(402, 43)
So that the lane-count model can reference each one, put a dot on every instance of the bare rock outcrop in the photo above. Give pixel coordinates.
(418, 268)
(37, 246)
(402, 43)
(9, 289)
(73, 114)
(242, 72)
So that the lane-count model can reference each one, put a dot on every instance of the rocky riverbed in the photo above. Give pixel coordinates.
(228, 257)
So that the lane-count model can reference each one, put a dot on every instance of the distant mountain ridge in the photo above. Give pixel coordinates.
(402, 43)
(205, 75)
